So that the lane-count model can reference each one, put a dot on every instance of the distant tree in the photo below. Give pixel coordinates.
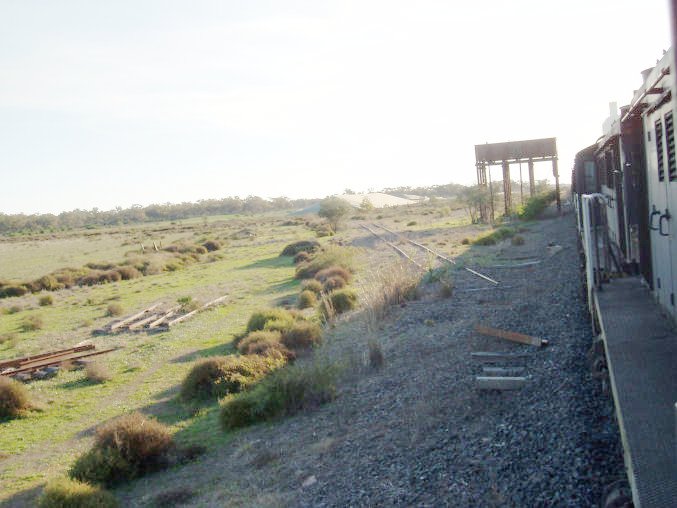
(473, 198)
(348, 191)
(334, 210)
(366, 205)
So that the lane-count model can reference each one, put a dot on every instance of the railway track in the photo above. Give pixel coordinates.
(422, 256)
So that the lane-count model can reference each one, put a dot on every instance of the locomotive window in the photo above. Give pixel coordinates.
(670, 146)
(659, 150)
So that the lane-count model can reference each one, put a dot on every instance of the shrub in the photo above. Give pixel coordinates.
(219, 376)
(32, 323)
(301, 257)
(9, 291)
(302, 335)
(517, 240)
(259, 320)
(330, 257)
(129, 272)
(13, 398)
(114, 309)
(313, 285)
(333, 283)
(343, 300)
(64, 493)
(46, 300)
(14, 309)
(411, 223)
(285, 392)
(307, 299)
(211, 245)
(125, 448)
(48, 283)
(535, 205)
(301, 246)
(465, 241)
(494, 237)
(97, 372)
(265, 343)
(333, 271)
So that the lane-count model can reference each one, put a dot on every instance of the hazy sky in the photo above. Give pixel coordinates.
(106, 104)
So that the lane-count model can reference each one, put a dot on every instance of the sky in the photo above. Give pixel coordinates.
(106, 104)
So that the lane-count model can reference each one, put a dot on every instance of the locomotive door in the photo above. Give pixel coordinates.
(662, 176)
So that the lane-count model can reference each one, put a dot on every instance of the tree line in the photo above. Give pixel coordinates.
(35, 223)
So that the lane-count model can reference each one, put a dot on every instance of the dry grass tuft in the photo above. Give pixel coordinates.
(383, 288)
(13, 398)
(64, 493)
(97, 372)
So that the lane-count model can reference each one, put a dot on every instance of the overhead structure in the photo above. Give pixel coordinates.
(513, 152)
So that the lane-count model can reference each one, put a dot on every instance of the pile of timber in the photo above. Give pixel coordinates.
(155, 318)
(503, 371)
(43, 365)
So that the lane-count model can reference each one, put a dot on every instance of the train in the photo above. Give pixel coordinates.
(624, 187)
(624, 192)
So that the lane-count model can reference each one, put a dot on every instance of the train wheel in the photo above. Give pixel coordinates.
(618, 495)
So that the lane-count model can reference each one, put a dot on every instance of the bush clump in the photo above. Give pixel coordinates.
(9, 291)
(265, 343)
(124, 449)
(67, 493)
(32, 323)
(330, 257)
(333, 271)
(13, 398)
(301, 246)
(263, 319)
(114, 309)
(211, 245)
(46, 300)
(313, 285)
(302, 335)
(494, 237)
(333, 283)
(301, 257)
(285, 392)
(307, 299)
(97, 372)
(535, 205)
(221, 375)
(343, 300)
(129, 272)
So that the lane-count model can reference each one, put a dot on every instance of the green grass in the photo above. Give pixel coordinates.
(147, 371)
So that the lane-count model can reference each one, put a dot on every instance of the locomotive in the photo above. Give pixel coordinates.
(624, 187)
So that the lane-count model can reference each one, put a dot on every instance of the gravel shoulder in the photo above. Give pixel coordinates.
(418, 432)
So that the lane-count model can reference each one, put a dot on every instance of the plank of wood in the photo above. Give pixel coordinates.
(139, 324)
(500, 383)
(491, 357)
(136, 316)
(511, 336)
(164, 317)
(182, 318)
(214, 302)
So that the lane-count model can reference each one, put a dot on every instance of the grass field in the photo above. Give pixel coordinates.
(148, 368)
